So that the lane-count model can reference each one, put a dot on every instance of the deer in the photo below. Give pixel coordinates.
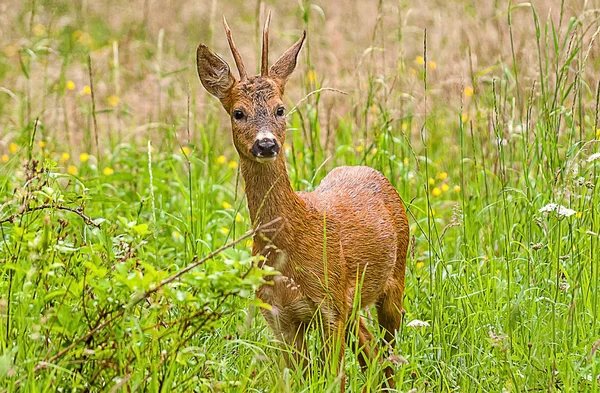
(345, 241)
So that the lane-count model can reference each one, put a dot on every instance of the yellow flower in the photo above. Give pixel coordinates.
(72, 170)
(469, 91)
(108, 171)
(420, 60)
(226, 205)
(404, 126)
(70, 85)
(598, 133)
(360, 148)
(65, 156)
(464, 117)
(445, 187)
(13, 147)
(405, 161)
(221, 159)
(233, 164)
(42, 144)
(39, 30)
(4, 157)
(311, 77)
(10, 50)
(86, 90)
(436, 192)
(113, 100)
(249, 243)
(412, 71)
(442, 175)
(457, 188)
(432, 65)
(83, 157)
(579, 214)
(225, 230)
(186, 150)
(420, 265)
(431, 181)
(432, 212)
(373, 151)
(176, 234)
(238, 218)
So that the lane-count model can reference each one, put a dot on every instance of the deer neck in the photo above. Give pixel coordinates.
(270, 194)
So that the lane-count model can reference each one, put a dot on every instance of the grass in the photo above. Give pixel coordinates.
(117, 172)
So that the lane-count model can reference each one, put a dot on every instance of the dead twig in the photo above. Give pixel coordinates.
(85, 218)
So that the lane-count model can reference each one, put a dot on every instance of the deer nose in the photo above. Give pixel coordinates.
(265, 148)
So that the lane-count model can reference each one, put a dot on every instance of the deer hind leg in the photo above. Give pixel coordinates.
(365, 343)
(291, 333)
(389, 315)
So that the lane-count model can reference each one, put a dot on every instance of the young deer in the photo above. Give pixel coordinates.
(352, 229)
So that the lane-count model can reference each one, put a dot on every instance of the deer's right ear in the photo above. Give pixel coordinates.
(214, 72)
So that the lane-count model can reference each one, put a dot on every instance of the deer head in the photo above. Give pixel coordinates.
(254, 104)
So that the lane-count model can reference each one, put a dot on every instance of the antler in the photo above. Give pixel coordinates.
(236, 55)
(264, 63)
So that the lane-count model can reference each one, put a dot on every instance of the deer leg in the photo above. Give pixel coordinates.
(334, 324)
(389, 315)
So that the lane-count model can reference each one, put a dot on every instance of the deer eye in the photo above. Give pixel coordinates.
(238, 114)
(280, 111)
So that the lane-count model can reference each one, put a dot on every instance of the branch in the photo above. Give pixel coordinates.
(85, 218)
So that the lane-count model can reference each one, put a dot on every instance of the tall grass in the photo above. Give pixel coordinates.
(117, 175)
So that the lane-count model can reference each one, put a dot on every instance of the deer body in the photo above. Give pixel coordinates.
(350, 233)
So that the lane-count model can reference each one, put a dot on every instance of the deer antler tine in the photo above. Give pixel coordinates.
(236, 55)
(264, 64)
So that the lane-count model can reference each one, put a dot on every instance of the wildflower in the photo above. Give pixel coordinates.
(416, 323)
(432, 65)
(598, 133)
(436, 192)
(39, 30)
(468, 91)
(42, 144)
(420, 60)
(65, 156)
(4, 157)
(559, 209)
(238, 218)
(360, 148)
(13, 147)
(221, 159)
(108, 171)
(226, 205)
(373, 150)
(405, 161)
(70, 85)
(442, 175)
(420, 265)
(86, 90)
(233, 164)
(404, 126)
(445, 187)
(579, 214)
(594, 157)
(10, 50)
(431, 181)
(457, 188)
(72, 170)
(113, 100)
(176, 234)
(311, 77)
(464, 117)
(225, 230)
(83, 157)
(249, 243)
(186, 150)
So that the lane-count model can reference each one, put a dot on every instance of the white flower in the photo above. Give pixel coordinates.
(559, 209)
(416, 323)
(594, 157)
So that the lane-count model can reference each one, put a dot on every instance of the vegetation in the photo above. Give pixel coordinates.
(125, 243)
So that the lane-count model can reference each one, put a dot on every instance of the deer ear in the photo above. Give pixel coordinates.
(214, 72)
(285, 65)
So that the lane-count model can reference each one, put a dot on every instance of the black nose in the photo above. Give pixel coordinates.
(265, 147)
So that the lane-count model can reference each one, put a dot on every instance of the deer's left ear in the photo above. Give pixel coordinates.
(214, 72)
(284, 66)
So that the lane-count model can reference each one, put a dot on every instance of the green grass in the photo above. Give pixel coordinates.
(101, 210)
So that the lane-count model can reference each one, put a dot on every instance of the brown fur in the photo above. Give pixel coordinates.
(351, 229)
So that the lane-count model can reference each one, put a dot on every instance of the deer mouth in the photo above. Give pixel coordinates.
(262, 159)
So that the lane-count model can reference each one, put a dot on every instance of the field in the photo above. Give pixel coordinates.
(125, 243)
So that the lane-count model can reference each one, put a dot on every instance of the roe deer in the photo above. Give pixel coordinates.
(352, 228)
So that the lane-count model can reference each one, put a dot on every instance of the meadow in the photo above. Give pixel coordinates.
(125, 241)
